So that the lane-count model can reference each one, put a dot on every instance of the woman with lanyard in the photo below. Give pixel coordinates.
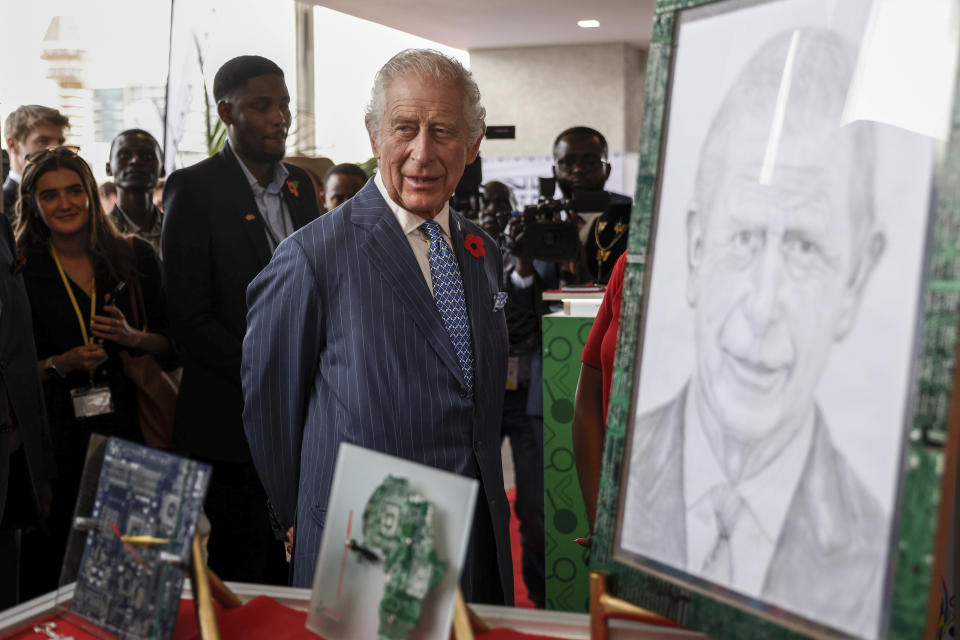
(79, 275)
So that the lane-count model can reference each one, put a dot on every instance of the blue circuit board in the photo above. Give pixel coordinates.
(126, 589)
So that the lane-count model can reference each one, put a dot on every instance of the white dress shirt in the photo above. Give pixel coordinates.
(766, 500)
(270, 203)
(521, 282)
(410, 223)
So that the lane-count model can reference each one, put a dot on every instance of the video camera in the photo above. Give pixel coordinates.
(548, 234)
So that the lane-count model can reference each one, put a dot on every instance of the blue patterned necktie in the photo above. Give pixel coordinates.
(448, 294)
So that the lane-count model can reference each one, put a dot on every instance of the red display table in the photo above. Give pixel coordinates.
(279, 613)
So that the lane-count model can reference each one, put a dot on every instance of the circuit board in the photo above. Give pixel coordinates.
(126, 588)
(399, 524)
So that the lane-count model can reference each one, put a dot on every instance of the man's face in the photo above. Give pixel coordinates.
(776, 273)
(257, 116)
(579, 163)
(496, 209)
(42, 136)
(339, 188)
(135, 162)
(423, 144)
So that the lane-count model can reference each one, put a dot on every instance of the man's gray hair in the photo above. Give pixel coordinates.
(822, 73)
(430, 64)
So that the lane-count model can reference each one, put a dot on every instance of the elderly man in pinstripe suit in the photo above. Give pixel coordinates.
(381, 324)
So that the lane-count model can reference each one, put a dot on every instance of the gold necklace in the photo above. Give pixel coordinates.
(603, 252)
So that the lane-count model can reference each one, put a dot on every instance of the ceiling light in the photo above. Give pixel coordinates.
(588, 24)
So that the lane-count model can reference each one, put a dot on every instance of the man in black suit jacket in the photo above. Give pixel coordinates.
(26, 452)
(29, 128)
(223, 219)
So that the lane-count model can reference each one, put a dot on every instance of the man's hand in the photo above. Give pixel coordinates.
(516, 230)
(85, 358)
(288, 545)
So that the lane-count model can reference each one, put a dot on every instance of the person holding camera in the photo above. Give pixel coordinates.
(580, 165)
(542, 251)
(520, 422)
(576, 239)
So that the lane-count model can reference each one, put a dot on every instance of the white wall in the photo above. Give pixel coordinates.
(544, 90)
(349, 52)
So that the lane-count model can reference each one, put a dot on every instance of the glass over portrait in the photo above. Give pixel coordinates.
(775, 358)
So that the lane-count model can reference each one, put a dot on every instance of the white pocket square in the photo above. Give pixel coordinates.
(499, 300)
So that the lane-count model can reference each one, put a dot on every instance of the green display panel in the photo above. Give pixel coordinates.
(565, 519)
(925, 461)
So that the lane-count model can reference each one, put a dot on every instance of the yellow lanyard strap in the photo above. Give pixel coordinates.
(87, 340)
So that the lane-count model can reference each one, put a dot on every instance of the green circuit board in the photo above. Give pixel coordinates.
(398, 523)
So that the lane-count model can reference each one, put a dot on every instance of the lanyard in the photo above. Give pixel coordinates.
(271, 236)
(87, 340)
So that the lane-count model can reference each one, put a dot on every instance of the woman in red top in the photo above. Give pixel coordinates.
(593, 390)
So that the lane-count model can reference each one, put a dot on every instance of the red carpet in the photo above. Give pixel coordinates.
(520, 596)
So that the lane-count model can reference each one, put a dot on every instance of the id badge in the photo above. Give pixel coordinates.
(91, 401)
(513, 371)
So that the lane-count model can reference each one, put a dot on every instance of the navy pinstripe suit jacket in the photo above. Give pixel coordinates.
(344, 343)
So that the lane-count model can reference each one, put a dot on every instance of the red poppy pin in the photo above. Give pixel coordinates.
(17, 265)
(474, 244)
(292, 187)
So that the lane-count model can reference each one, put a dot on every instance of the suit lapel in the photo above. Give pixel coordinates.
(244, 206)
(819, 509)
(389, 252)
(656, 482)
(300, 213)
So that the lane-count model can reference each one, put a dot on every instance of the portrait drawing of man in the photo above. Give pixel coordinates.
(736, 479)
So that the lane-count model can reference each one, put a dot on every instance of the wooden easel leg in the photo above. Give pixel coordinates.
(465, 621)
(603, 606)
(221, 592)
(202, 598)
(598, 618)
(461, 618)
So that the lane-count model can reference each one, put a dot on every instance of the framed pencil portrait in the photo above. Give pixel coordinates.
(780, 457)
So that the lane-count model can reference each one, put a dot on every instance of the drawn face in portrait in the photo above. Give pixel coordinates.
(776, 273)
(780, 237)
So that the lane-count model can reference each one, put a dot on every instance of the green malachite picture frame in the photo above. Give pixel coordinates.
(921, 524)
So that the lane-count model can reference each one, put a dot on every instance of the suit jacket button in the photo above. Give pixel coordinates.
(463, 392)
